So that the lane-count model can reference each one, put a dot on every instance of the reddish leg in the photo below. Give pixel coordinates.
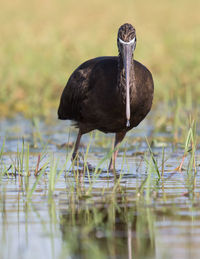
(76, 145)
(179, 168)
(118, 139)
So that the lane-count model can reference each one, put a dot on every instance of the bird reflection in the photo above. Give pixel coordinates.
(108, 231)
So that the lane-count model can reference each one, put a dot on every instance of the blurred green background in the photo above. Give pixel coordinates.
(43, 41)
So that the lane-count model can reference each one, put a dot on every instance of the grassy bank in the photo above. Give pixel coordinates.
(42, 42)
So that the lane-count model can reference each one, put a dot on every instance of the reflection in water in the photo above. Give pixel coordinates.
(109, 231)
(67, 214)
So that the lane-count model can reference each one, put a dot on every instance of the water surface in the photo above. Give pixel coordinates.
(69, 212)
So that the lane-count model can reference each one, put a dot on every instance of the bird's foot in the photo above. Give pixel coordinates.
(89, 167)
(113, 171)
(111, 167)
(180, 167)
(78, 160)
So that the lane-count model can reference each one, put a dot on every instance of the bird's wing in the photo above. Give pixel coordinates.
(75, 91)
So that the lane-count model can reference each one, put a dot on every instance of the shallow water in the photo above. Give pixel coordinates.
(82, 214)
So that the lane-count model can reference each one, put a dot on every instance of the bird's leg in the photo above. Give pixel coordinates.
(74, 154)
(118, 139)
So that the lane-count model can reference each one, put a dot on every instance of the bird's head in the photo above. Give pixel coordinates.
(126, 38)
(126, 41)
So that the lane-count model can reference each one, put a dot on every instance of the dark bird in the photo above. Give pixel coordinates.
(112, 94)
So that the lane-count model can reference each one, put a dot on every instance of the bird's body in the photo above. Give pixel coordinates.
(94, 99)
(96, 95)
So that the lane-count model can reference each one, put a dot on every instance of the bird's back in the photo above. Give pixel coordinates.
(78, 86)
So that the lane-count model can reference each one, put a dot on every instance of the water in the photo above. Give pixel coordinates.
(82, 215)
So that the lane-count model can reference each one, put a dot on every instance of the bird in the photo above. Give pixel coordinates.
(112, 94)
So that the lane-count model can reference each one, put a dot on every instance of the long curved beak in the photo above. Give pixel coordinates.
(127, 58)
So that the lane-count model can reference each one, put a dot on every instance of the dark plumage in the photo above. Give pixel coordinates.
(111, 94)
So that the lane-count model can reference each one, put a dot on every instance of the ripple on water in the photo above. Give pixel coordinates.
(79, 211)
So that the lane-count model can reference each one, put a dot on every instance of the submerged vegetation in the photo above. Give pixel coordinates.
(85, 213)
